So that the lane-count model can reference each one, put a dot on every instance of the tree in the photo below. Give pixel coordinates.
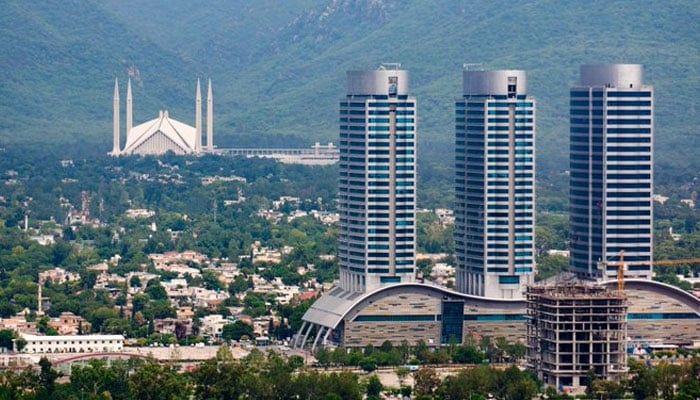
(470, 382)
(404, 350)
(609, 389)
(6, 338)
(159, 309)
(339, 356)
(236, 331)
(689, 387)
(642, 384)
(422, 351)
(368, 364)
(219, 379)
(180, 330)
(47, 379)
(157, 382)
(501, 349)
(155, 290)
(524, 389)
(13, 385)
(88, 279)
(101, 315)
(550, 265)
(402, 373)
(517, 351)
(96, 379)
(138, 304)
(42, 325)
(239, 285)
(386, 346)
(426, 381)
(467, 354)
(212, 281)
(591, 380)
(667, 377)
(323, 357)
(374, 387)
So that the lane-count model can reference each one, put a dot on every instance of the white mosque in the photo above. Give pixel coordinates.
(163, 134)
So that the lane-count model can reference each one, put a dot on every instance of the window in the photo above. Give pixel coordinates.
(629, 103)
(452, 321)
(629, 94)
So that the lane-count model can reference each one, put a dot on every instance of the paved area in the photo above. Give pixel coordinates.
(183, 353)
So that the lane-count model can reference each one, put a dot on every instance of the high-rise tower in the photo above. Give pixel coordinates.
(611, 164)
(377, 185)
(494, 184)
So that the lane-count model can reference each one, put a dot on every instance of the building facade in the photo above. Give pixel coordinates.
(73, 344)
(377, 184)
(656, 312)
(611, 167)
(494, 184)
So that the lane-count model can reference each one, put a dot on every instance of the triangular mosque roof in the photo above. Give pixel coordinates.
(181, 136)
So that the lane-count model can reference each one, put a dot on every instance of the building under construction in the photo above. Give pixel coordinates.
(574, 328)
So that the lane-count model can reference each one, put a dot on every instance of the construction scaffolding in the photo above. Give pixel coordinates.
(574, 328)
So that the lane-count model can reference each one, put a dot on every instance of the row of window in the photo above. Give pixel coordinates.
(612, 149)
(371, 160)
(434, 318)
(360, 137)
(505, 246)
(387, 112)
(585, 203)
(517, 104)
(374, 145)
(661, 316)
(611, 112)
(598, 104)
(505, 152)
(501, 128)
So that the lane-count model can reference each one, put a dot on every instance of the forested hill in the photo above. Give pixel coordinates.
(279, 65)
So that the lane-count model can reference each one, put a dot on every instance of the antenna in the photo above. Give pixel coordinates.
(394, 66)
(472, 66)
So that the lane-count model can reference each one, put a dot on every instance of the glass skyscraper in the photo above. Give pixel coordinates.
(611, 166)
(494, 184)
(377, 184)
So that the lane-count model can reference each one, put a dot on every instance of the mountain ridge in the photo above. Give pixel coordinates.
(278, 67)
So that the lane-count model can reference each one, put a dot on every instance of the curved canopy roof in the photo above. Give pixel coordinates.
(337, 304)
(332, 307)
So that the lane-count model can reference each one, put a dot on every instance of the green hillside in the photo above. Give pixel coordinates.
(57, 70)
(279, 66)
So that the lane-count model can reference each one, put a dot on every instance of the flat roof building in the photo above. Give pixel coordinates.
(611, 171)
(495, 184)
(73, 343)
(377, 184)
